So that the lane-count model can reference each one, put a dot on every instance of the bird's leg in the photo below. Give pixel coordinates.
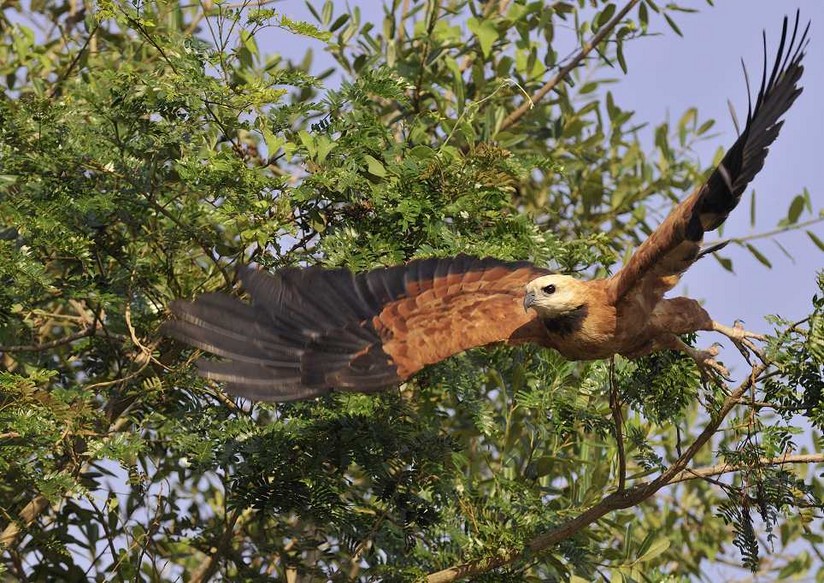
(740, 337)
(705, 359)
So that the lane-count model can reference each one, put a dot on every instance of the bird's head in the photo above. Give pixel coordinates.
(554, 295)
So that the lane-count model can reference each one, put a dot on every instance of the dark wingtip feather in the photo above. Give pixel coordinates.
(777, 92)
(722, 191)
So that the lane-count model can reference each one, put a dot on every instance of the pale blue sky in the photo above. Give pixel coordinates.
(668, 74)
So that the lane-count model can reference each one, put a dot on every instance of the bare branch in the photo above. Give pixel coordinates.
(90, 331)
(725, 468)
(618, 419)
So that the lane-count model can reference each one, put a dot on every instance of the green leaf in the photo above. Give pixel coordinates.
(273, 142)
(374, 166)
(486, 31)
(326, 18)
(655, 549)
(672, 24)
(784, 250)
(725, 262)
(643, 16)
(619, 54)
(605, 15)
(339, 22)
(686, 122)
(304, 28)
(421, 152)
(758, 255)
(814, 238)
(752, 209)
(705, 127)
(795, 210)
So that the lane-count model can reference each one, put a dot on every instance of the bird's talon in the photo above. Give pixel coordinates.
(705, 359)
(715, 366)
(737, 333)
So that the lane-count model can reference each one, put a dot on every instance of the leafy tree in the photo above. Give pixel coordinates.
(147, 148)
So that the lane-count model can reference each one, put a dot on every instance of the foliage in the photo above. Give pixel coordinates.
(148, 148)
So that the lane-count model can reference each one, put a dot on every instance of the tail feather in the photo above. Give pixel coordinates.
(249, 374)
(229, 344)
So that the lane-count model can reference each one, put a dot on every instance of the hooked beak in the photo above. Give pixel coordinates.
(529, 299)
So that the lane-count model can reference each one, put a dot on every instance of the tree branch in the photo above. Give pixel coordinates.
(39, 503)
(516, 115)
(766, 234)
(90, 331)
(725, 468)
(57, 84)
(618, 419)
(430, 27)
(28, 515)
(208, 567)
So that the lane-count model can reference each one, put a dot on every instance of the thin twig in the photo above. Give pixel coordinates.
(208, 567)
(73, 64)
(766, 234)
(119, 381)
(725, 468)
(90, 331)
(516, 115)
(433, 17)
(354, 561)
(142, 30)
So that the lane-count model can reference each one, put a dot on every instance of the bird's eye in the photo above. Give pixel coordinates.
(549, 289)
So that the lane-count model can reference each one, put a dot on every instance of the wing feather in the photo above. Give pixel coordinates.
(309, 331)
(676, 243)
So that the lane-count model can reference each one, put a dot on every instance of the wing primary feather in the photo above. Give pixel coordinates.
(675, 244)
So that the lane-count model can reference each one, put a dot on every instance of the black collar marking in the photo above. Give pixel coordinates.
(567, 323)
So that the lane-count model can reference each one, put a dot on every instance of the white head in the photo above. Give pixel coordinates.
(554, 295)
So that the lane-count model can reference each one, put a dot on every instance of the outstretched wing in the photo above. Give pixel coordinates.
(676, 243)
(309, 331)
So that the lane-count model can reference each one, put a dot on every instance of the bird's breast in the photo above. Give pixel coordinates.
(587, 333)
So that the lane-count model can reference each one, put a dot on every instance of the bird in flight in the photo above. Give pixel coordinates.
(311, 331)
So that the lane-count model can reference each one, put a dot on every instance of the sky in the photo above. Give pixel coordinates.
(669, 74)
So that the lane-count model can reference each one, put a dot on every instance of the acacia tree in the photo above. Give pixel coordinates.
(148, 148)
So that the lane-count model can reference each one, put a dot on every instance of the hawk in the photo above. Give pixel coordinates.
(314, 330)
